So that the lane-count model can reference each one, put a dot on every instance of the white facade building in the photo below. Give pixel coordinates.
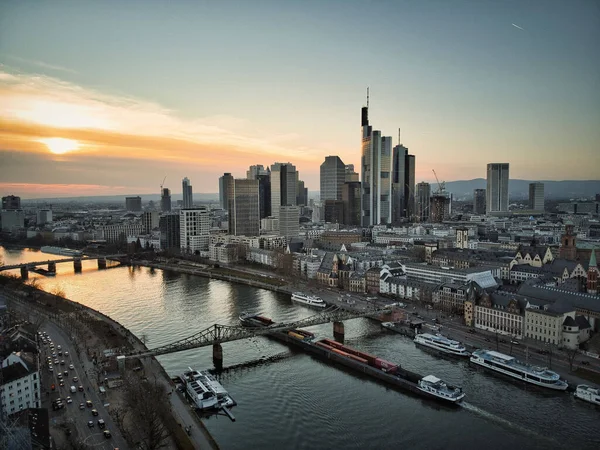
(194, 228)
(21, 383)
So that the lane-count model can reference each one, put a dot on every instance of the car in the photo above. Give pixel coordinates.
(80, 388)
(91, 423)
(71, 367)
(56, 362)
(69, 400)
(62, 362)
(107, 434)
(89, 404)
(66, 353)
(471, 330)
(50, 369)
(53, 387)
(75, 379)
(61, 383)
(101, 424)
(66, 373)
(514, 342)
(59, 347)
(59, 353)
(81, 406)
(53, 354)
(94, 411)
(585, 363)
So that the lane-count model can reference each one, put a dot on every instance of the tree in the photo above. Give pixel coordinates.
(571, 354)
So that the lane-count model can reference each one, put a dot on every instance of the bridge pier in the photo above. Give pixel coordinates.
(77, 265)
(51, 267)
(218, 356)
(338, 331)
(24, 273)
(101, 263)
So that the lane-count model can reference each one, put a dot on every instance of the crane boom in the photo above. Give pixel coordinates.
(438, 181)
(163, 182)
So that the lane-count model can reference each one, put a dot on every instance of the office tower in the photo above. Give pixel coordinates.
(11, 202)
(165, 200)
(289, 221)
(423, 198)
(333, 211)
(409, 186)
(385, 181)
(150, 221)
(283, 186)
(351, 199)
(403, 184)
(44, 216)
(302, 193)
(12, 219)
(479, 201)
(245, 213)
(133, 204)
(188, 199)
(194, 229)
(264, 195)
(333, 176)
(351, 175)
(169, 231)
(254, 172)
(497, 188)
(536, 196)
(225, 190)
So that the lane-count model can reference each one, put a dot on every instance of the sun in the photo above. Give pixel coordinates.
(60, 146)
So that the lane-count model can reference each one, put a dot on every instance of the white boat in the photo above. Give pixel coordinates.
(60, 251)
(588, 393)
(440, 389)
(308, 300)
(205, 391)
(441, 343)
(509, 365)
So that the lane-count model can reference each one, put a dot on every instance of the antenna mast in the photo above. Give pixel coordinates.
(399, 141)
(367, 96)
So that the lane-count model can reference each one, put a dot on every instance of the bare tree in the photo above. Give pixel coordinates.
(119, 414)
(571, 354)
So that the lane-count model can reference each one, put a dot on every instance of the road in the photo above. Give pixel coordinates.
(75, 418)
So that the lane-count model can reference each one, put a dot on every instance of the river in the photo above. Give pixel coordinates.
(302, 403)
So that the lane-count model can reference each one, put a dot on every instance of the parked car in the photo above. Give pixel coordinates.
(69, 400)
(94, 411)
(107, 434)
(101, 424)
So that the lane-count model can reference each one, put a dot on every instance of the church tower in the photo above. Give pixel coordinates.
(568, 247)
(592, 275)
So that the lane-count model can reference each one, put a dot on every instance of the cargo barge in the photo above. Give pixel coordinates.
(254, 320)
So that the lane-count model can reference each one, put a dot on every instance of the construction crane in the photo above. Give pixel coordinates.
(163, 182)
(441, 186)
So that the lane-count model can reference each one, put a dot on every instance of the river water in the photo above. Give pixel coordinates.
(302, 403)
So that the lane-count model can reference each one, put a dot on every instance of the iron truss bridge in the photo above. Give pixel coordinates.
(217, 334)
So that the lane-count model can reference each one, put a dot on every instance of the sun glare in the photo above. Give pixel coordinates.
(60, 146)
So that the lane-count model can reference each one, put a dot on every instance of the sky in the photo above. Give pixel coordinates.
(108, 98)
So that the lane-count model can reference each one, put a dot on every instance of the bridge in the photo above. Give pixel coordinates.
(51, 263)
(217, 334)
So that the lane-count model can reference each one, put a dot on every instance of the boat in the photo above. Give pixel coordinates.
(440, 389)
(254, 320)
(42, 271)
(509, 365)
(308, 300)
(441, 343)
(588, 393)
(205, 391)
(399, 327)
(61, 251)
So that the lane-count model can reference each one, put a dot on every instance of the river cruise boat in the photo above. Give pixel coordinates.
(509, 365)
(61, 251)
(308, 300)
(254, 320)
(205, 391)
(588, 393)
(441, 343)
(440, 389)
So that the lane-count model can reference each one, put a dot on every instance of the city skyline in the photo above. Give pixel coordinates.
(101, 116)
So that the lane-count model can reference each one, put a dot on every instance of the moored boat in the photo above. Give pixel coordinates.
(205, 391)
(60, 251)
(441, 343)
(254, 320)
(440, 389)
(308, 300)
(509, 365)
(588, 394)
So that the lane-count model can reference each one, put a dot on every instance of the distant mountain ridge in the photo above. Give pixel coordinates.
(520, 188)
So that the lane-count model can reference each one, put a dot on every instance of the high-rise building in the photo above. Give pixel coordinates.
(225, 190)
(302, 193)
(264, 195)
(423, 199)
(194, 229)
(165, 200)
(188, 199)
(333, 176)
(284, 184)
(497, 188)
(11, 202)
(133, 204)
(479, 201)
(440, 207)
(409, 186)
(333, 211)
(351, 175)
(289, 221)
(44, 216)
(169, 231)
(245, 213)
(351, 199)
(12, 219)
(403, 184)
(255, 171)
(150, 221)
(536, 196)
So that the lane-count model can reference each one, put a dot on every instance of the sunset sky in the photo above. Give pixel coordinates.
(108, 97)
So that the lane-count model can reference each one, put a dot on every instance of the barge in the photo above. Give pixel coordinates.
(254, 320)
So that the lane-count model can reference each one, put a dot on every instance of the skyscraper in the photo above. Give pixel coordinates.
(254, 172)
(536, 196)
(165, 200)
(351, 175)
(479, 201)
(302, 193)
(150, 221)
(423, 199)
(194, 229)
(333, 176)
(133, 204)
(246, 211)
(333, 211)
(264, 195)
(497, 188)
(225, 190)
(409, 186)
(289, 221)
(284, 184)
(11, 202)
(169, 231)
(188, 200)
(351, 200)
(403, 184)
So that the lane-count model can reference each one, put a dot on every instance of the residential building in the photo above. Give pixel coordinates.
(440, 207)
(422, 207)
(150, 221)
(20, 378)
(188, 199)
(223, 253)
(133, 204)
(289, 221)
(165, 200)
(351, 203)
(44, 216)
(225, 190)
(11, 202)
(170, 233)
(245, 215)
(497, 188)
(462, 238)
(451, 297)
(262, 256)
(536, 197)
(12, 219)
(284, 185)
(479, 198)
(333, 176)
(194, 227)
